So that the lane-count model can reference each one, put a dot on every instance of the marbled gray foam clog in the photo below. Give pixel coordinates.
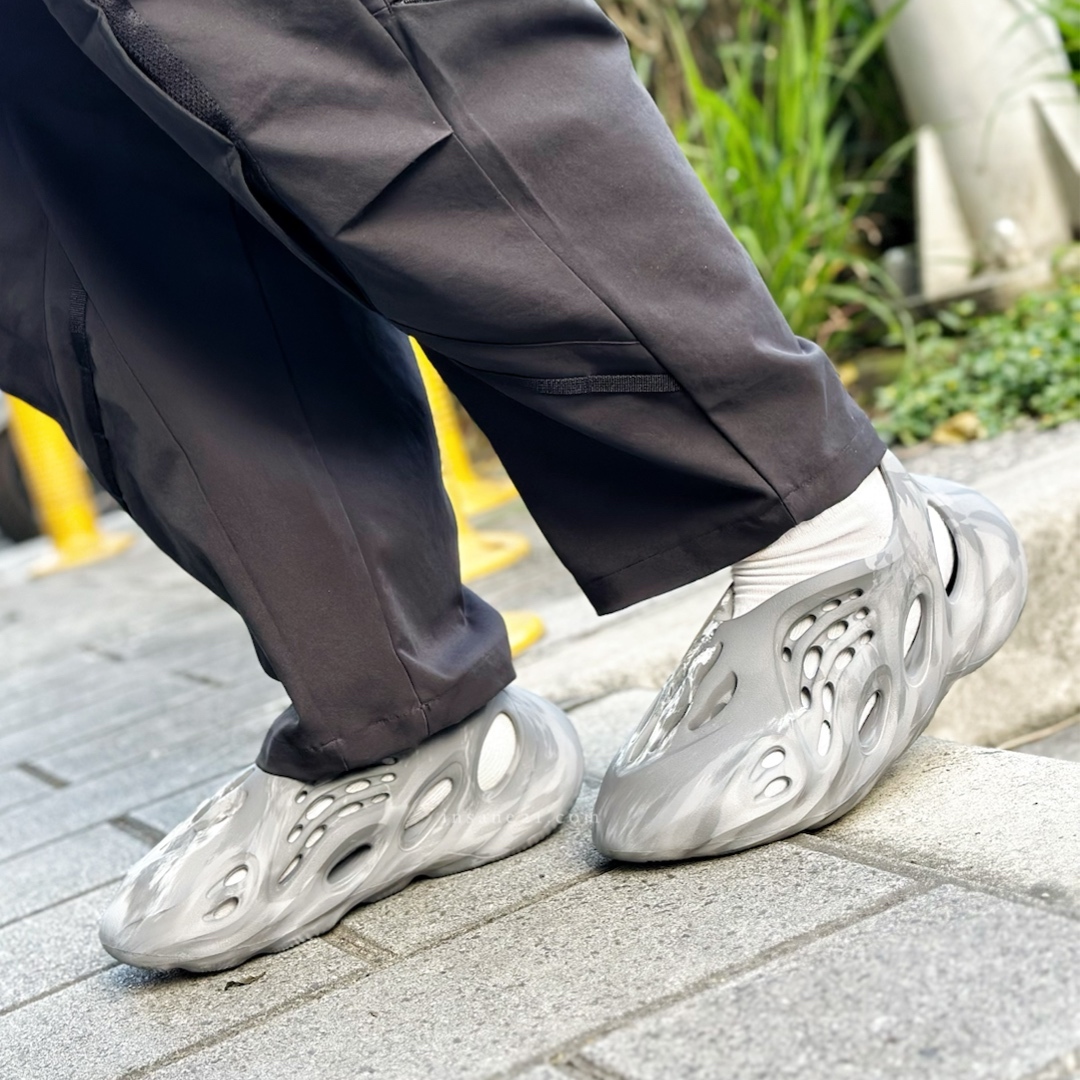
(269, 862)
(784, 718)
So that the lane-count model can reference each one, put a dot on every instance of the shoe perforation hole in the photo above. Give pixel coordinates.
(381, 797)
(387, 778)
(801, 627)
(812, 662)
(913, 625)
(862, 613)
(429, 802)
(357, 785)
(828, 694)
(315, 836)
(712, 704)
(235, 877)
(871, 719)
(295, 834)
(301, 796)
(776, 786)
(225, 908)
(773, 758)
(389, 761)
(805, 697)
(347, 866)
(843, 659)
(497, 752)
(838, 629)
(349, 809)
(318, 806)
(832, 605)
(290, 869)
(865, 639)
(785, 655)
(824, 738)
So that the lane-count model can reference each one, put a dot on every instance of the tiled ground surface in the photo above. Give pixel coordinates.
(934, 932)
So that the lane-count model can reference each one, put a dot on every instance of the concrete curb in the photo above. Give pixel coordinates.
(1034, 681)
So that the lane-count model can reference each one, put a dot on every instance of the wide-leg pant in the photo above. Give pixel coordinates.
(216, 218)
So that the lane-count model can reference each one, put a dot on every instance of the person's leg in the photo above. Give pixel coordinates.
(268, 432)
(493, 177)
(272, 436)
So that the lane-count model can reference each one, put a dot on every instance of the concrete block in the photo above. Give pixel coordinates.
(1063, 744)
(604, 725)
(950, 984)
(1011, 821)
(57, 722)
(52, 948)
(123, 1018)
(156, 731)
(1034, 680)
(66, 868)
(511, 991)
(108, 796)
(17, 786)
(436, 909)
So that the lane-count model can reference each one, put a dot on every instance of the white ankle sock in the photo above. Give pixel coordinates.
(855, 528)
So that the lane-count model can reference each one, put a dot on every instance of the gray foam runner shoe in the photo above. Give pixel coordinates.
(269, 862)
(783, 719)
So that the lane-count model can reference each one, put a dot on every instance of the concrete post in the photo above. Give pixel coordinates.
(986, 85)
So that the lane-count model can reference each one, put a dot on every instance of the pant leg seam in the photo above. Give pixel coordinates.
(268, 308)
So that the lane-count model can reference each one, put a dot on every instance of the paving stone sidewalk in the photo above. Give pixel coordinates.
(934, 932)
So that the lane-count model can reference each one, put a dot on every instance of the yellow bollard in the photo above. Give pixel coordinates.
(523, 628)
(477, 493)
(482, 552)
(60, 491)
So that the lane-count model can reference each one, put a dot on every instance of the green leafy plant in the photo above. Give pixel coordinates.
(769, 145)
(997, 369)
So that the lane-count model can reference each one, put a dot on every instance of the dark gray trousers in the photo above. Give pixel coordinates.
(218, 216)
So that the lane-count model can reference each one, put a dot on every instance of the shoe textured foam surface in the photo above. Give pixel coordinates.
(268, 861)
(784, 718)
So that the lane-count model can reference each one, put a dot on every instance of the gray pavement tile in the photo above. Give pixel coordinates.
(164, 638)
(432, 910)
(52, 948)
(603, 726)
(949, 984)
(1007, 820)
(159, 730)
(514, 989)
(123, 1018)
(230, 663)
(17, 786)
(70, 866)
(87, 679)
(79, 668)
(1063, 744)
(63, 722)
(108, 796)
